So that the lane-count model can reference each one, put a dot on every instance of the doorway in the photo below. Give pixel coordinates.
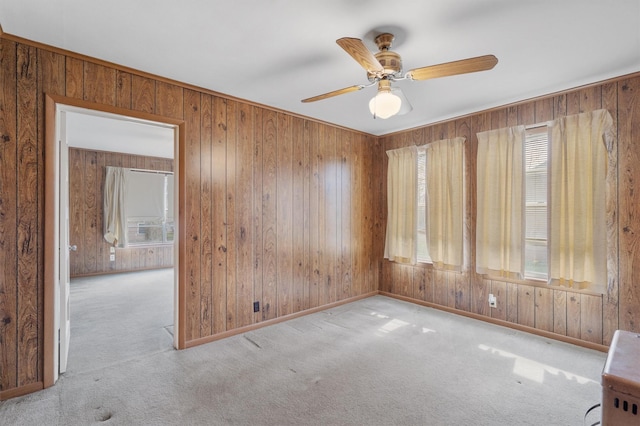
(57, 247)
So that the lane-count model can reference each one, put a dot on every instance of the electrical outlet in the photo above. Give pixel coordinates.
(112, 250)
(112, 257)
(493, 302)
(256, 306)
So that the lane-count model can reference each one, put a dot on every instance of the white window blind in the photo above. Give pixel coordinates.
(145, 195)
(423, 251)
(536, 211)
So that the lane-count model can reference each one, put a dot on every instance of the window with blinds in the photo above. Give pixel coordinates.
(536, 212)
(149, 208)
(423, 251)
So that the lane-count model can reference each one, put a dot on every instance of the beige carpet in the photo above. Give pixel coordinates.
(377, 361)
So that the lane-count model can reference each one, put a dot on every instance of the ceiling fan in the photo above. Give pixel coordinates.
(385, 67)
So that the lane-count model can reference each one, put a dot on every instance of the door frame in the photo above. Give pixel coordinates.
(51, 225)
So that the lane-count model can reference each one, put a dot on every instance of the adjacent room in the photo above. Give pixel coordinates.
(351, 212)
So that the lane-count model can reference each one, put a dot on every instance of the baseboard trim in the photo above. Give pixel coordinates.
(20, 391)
(531, 330)
(240, 330)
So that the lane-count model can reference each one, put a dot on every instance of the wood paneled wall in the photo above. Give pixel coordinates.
(86, 212)
(588, 317)
(278, 209)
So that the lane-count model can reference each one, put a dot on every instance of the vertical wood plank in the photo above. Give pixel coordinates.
(591, 318)
(499, 290)
(629, 202)
(143, 94)
(76, 218)
(8, 218)
(344, 214)
(123, 89)
(560, 312)
(269, 213)
(74, 78)
(27, 216)
(610, 316)
(99, 84)
(574, 312)
(219, 215)
(258, 245)
(244, 214)
(299, 213)
(284, 215)
(232, 205)
(206, 217)
(306, 248)
(192, 211)
(314, 220)
(440, 287)
(91, 213)
(544, 309)
(512, 302)
(169, 100)
(526, 305)
(480, 303)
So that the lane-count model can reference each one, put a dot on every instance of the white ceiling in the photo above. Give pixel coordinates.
(108, 132)
(277, 52)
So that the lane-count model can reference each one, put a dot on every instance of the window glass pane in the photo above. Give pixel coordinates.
(150, 217)
(423, 252)
(536, 259)
(536, 231)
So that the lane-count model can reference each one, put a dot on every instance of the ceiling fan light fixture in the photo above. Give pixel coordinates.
(384, 104)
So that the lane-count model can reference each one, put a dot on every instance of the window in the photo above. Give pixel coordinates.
(541, 201)
(425, 204)
(423, 251)
(149, 208)
(535, 174)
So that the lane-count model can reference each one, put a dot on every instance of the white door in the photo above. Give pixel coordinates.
(64, 249)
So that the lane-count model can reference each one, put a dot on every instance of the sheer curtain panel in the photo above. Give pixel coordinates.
(499, 228)
(578, 239)
(115, 219)
(445, 202)
(402, 194)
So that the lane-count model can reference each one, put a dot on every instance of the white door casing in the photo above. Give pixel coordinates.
(64, 249)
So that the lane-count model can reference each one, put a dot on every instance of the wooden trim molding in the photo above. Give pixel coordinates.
(274, 321)
(123, 68)
(51, 102)
(530, 330)
(21, 391)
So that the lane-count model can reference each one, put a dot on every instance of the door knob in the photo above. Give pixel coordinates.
(73, 248)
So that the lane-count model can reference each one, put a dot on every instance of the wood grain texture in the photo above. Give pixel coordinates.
(629, 201)
(530, 303)
(231, 290)
(86, 182)
(244, 213)
(21, 170)
(206, 216)
(219, 215)
(27, 216)
(143, 94)
(8, 218)
(269, 216)
(100, 84)
(610, 314)
(284, 214)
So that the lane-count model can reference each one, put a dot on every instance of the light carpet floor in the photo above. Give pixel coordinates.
(377, 361)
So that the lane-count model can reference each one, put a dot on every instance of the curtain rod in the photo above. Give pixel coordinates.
(163, 172)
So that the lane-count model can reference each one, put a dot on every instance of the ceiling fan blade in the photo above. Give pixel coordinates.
(334, 93)
(480, 63)
(358, 51)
